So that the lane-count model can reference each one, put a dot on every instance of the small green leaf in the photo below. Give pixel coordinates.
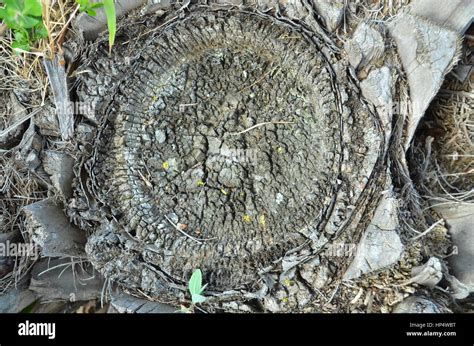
(9, 16)
(89, 8)
(196, 287)
(3, 13)
(40, 32)
(97, 5)
(33, 8)
(28, 22)
(109, 8)
(82, 4)
(13, 4)
(24, 18)
(22, 36)
(197, 298)
(22, 40)
(16, 45)
(91, 12)
(195, 283)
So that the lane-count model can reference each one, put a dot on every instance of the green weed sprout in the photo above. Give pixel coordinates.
(24, 18)
(195, 288)
(109, 8)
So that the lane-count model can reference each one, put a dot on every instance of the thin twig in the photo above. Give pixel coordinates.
(259, 125)
(186, 234)
(19, 122)
(258, 80)
(202, 310)
(440, 221)
(67, 264)
(63, 31)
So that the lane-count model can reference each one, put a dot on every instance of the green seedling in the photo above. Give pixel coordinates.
(196, 288)
(24, 18)
(88, 7)
(109, 9)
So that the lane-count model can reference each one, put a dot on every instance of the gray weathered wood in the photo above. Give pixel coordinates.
(52, 231)
(62, 279)
(58, 80)
(455, 14)
(459, 219)
(125, 303)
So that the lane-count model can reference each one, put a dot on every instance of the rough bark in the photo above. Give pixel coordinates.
(253, 142)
